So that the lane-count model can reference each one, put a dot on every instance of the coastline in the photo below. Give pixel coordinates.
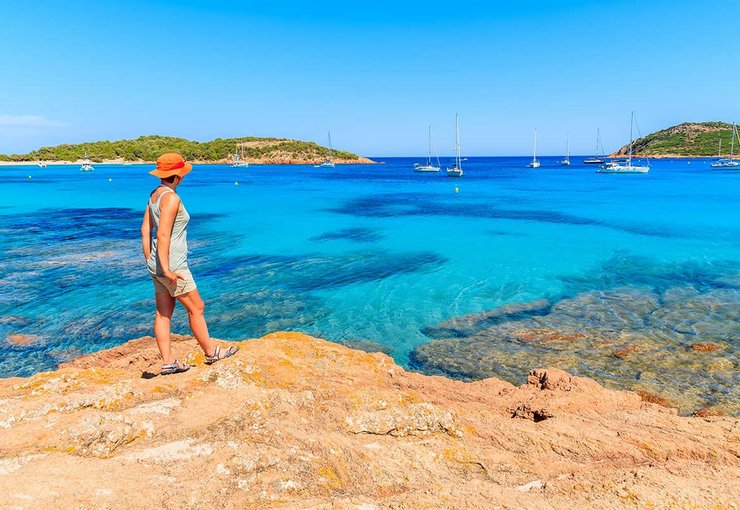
(664, 156)
(262, 161)
(297, 422)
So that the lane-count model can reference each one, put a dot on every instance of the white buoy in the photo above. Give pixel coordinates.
(236, 183)
(30, 177)
(110, 180)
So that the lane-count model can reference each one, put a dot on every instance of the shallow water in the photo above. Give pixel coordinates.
(372, 253)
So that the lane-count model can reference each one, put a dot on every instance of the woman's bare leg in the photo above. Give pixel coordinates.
(196, 308)
(165, 307)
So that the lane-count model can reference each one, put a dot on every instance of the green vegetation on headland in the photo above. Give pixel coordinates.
(220, 150)
(690, 139)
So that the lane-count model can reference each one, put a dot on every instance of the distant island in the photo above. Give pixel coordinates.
(687, 140)
(146, 149)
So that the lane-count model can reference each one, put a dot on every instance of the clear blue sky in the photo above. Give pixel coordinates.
(374, 72)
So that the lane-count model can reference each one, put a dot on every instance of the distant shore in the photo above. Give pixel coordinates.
(265, 161)
(666, 156)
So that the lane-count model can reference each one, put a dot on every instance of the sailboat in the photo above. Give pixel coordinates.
(721, 162)
(566, 161)
(615, 167)
(456, 170)
(428, 167)
(86, 164)
(239, 161)
(535, 162)
(596, 160)
(327, 162)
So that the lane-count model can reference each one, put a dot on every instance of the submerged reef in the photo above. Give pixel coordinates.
(678, 343)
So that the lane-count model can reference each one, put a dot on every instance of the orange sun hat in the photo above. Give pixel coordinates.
(171, 164)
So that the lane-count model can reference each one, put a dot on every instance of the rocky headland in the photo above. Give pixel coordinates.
(685, 140)
(146, 149)
(292, 421)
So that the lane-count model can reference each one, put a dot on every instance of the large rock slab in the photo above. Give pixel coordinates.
(295, 422)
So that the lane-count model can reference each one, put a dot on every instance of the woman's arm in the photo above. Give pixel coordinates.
(168, 206)
(146, 234)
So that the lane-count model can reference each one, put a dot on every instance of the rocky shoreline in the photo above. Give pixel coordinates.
(251, 161)
(296, 422)
(623, 154)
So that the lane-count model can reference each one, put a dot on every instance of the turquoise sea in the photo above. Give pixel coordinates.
(615, 277)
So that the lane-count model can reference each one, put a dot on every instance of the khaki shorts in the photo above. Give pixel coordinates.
(184, 284)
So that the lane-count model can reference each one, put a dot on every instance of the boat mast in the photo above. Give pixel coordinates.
(598, 141)
(330, 149)
(458, 161)
(732, 142)
(429, 157)
(632, 121)
(534, 155)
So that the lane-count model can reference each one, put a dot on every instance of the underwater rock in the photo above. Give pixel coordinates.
(623, 353)
(543, 335)
(468, 325)
(625, 337)
(655, 399)
(705, 347)
(20, 339)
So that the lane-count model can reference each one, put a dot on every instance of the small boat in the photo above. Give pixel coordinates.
(239, 161)
(86, 164)
(596, 160)
(41, 164)
(428, 167)
(327, 162)
(566, 161)
(456, 170)
(730, 162)
(535, 162)
(620, 167)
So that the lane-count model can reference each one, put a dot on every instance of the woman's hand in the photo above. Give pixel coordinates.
(171, 277)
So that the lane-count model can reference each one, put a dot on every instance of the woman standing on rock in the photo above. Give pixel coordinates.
(164, 242)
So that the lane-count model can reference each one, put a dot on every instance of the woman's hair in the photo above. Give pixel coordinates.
(169, 179)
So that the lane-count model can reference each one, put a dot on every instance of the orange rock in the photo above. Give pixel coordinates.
(623, 353)
(705, 347)
(543, 335)
(655, 399)
(293, 421)
(19, 339)
(708, 412)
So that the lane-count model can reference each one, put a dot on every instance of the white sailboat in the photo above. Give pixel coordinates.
(428, 167)
(86, 164)
(456, 170)
(730, 162)
(596, 160)
(327, 162)
(535, 162)
(566, 161)
(616, 167)
(239, 161)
